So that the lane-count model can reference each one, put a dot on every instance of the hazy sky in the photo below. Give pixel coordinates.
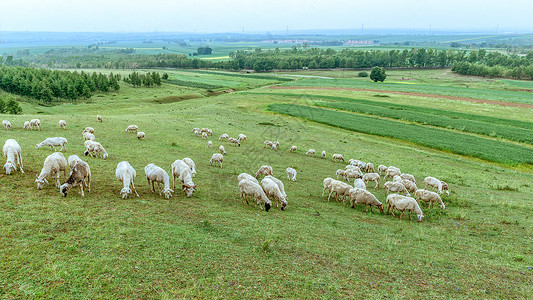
(260, 15)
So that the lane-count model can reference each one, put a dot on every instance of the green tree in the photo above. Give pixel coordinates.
(378, 74)
(2, 106)
(13, 107)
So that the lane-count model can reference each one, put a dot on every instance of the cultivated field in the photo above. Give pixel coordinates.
(211, 245)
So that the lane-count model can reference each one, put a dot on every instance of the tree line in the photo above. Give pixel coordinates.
(496, 64)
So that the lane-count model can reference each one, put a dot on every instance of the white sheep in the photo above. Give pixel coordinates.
(437, 184)
(216, 158)
(359, 183)
(72, 161)
(35, 123)
(53, 164)
(7, 124)
(293, 149)
(352, 174)
(391, 172)
(408, 177)
(87, 136)
(247, 176)
(196, 133)
(13, 153)
(323, 154)
(429, 196)
(340, 172)
(369, 168)
(223, 137)
(99, 118)
(126, 174)
(234, 142)
(250, 188)
(63, 124)
(397, 178)
(52, 142)
(140, 135)
(396, 187)
(291, 174)
(264, 170)
(361, 196)
(204, 135)
(78, 173)
(191, 165)
(222, 150)
(209, 144)
(182, 170)
(156, 174)
(402, 203)
(340, 189)
(196, 129)
(327, 185)
(372, 177)
(357, 163)
(410, 186)
(132, 128)
(280, 184)
(94, 148)
(27, 125)
(382, 169)
(337, 157)
(274, 147)
(310, 151)
(268, 144)
(242, 137)
(272, 190)
(88, 129)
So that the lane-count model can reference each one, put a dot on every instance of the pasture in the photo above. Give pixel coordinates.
(211, 245)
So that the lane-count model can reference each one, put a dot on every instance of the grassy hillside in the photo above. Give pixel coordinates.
(211, 245)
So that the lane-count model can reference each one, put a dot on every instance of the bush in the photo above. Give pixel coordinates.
(362, 74)
(13, 107)
(378, 74)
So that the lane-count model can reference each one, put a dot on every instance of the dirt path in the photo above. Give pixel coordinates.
(501, 103)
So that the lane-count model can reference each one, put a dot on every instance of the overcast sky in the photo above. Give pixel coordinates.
(261, 15)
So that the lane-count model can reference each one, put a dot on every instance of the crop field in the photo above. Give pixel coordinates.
(213, 246)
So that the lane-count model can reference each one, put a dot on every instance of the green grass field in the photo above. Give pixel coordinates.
(212, 246)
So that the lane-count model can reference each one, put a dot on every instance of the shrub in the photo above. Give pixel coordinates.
(362, 74)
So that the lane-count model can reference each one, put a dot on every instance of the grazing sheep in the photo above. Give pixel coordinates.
(327, 185)
(437, 184)
(88, 136)
(280, 184)
(222, 150)
(402, 203)
(275, 145)
(242, 137)
(340, 189)
(372, 177)
(63, 124)
(79, 172)
(291, 174)
(204, 135)
(209, 132)
(410, 186)
(357, 163)
(156, 174)
(223, 137)
(196, 133)
(429, 196)
(35, 123)
(396, 187)
(352, 174)
(272, 190)
(340, 172)
(94, 148)
(391, 172)
(140, 135)
(209, 144)
(204, 130)
(190, 163)
(268, 144)
(132, 128)
(7, 124)
(397, 178)
(353, 168)
(217, 157)
(99, 119)
(408, 177)
(52, 142)
(13, 153)
(195, 129)
(382, 169)
(323, 154)
(359, 183)
(88, 129)
(369, 168)
(310, 151)
(247, 176)
(264, 170)
(27, 125)
(250, 188)
(361, 196)
(337, 157)
(293, 149)
(182, 170)
(234, 142)
(53, 164)
(72, 161)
